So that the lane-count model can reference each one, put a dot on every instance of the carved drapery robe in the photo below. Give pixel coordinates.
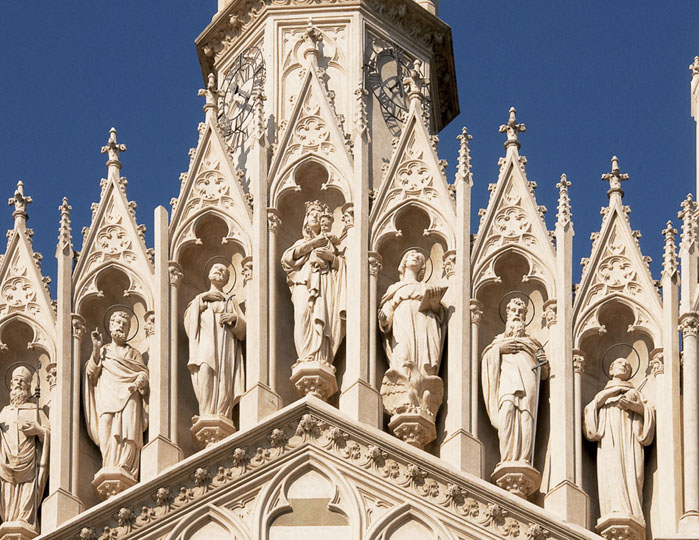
(413, 340)
(510, 383)
(19, 483)
(318, 290)
(115, 412)
(218, 347)
(621, 436)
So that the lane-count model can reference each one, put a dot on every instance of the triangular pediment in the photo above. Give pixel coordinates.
(309, 456)
(513, 220)
(414, 177)
(113, 238)
(311, 132)
(616, 268)
(212, 185)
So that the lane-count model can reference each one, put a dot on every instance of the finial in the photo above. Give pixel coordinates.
(564, 214)
(689, 222)
(615, 178)
(414, 84)
(463, 166)
(20, 202)
(669, 254)
(694, 67)
(211, 95)
(312, 37)
(64, 230)
(112, 149)
(694, 88)
(512, 128)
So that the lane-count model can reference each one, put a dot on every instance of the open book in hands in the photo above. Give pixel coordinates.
(433, 297)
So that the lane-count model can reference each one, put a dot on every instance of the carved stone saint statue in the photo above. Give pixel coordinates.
(412, 319)
(622, 423)
(24, 459)
(215, 326)
(316, 271)
(511, 369)
(116, 405)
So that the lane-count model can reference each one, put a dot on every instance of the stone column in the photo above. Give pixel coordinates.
(476, 307)
(578, 370)
(78, 332)
(273, 224)
(175, 277)
(689, 323)
(374, 269)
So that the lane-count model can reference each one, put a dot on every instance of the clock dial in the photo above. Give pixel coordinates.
(243, 78)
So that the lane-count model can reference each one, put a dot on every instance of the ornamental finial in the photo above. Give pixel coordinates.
(20, 202)
(512, 129)
(463, 167)
(414, 83)
(112, 149)
(694, 67)
(312, 37)
(210, 93)
(670, 251)
(615, 178)
(64, 230)
(689, 222)
(564, 214)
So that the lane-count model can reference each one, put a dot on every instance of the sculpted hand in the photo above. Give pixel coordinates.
(631, 402)
(383, 318)
(213, 297)
(325, 254)
(97, 340)
(511, 347)
(31, 429)
(228, 318)
(607, 394)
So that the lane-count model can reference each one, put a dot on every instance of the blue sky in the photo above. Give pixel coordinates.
(589, 79)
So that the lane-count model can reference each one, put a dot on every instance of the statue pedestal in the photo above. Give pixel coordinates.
(517, 477)
(112, 480)
(17, 530)
(416, 427)
(208, 430)
(315, 378)
(620, 527)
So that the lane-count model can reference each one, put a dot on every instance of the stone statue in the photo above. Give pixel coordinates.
(116, 404)
(412, 320)
(622, 423)
(215, 326)
(511, 370)
(24, 458)
(316, 272)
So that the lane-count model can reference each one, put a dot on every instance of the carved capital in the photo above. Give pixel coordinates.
(449, 264)
(578, 361)
(51, 372)
(657, 362)
(175, 272)
(476, 311)
(78, 324)
(550, 313)
(374, 263)
(149, 326)
(273, 220)
(347, 216)
(689, 322)
(246, 265)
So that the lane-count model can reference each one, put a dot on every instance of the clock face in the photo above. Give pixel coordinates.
(243, 78)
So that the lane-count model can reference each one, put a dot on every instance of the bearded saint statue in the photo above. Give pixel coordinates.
(316, 274)
(24, 454)
(116, 397)
(511, 369)
(622, 423)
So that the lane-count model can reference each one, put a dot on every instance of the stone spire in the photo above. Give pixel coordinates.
(615, 178)
(20, 202)
(670, 251)
(689, 223)
(463, 167)
(564, 214)
(64, 229)
(112, 149)
(210, 93)
(512, 129)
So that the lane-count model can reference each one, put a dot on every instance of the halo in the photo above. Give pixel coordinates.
(119, 307)
(228, 264)
(607, 359)
(516, 294)
(428, 262)
(12, 367)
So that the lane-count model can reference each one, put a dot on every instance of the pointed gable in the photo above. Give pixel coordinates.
(513, 221)
(616, 269)
(210, 186)
(114, 238)
(312, 132)
(414, 177)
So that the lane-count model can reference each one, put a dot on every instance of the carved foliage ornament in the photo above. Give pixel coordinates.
(17, 293)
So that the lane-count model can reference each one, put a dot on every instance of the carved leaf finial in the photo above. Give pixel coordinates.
(689, 222)
(210, 93)
(414, 84)
(670, 251)
(694, 67)
(20, 202)
(463, 167)
(512, 129)
(615, 178)
(113, 149)
(564, 214)
(312, 37)
(64, 229)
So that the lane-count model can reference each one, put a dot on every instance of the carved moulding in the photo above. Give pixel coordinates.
(311, 426)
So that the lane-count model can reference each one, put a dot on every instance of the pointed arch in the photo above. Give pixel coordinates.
(400, 516)
(226, 521)
(287, 180)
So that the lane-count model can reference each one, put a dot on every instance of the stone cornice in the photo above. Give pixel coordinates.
(405, 16)
(310, 422)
